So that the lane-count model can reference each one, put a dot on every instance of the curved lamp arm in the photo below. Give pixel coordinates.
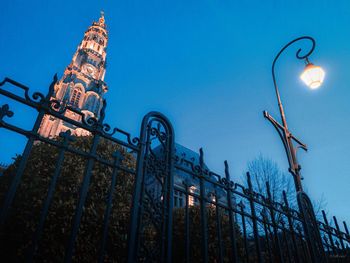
(298, 56)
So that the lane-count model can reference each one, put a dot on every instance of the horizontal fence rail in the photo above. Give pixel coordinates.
(111, 197)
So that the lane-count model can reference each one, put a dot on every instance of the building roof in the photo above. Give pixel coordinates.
(188, 155)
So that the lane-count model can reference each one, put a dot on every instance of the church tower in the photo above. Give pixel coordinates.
(82, 85)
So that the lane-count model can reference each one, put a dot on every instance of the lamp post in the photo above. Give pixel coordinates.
(313, 77)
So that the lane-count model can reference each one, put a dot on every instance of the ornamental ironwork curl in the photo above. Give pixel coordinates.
(106, 128)
(38, 97)
(88, 120)
(5, 112)
(55, 105)
(228, 183)
(161, 136)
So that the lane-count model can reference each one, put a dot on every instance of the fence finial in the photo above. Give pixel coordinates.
(201, 157)
(227, 170)
(249, 181)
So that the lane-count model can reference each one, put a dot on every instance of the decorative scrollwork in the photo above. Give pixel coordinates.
(38, 97)
(106, 128)
(87, 119)
(108, 131)
(156, 201)
(227, 183)
(5, 111)
(55, 105)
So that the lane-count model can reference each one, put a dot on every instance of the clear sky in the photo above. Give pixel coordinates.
(207, 66)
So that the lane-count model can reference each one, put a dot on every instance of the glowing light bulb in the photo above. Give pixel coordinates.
(313, 76)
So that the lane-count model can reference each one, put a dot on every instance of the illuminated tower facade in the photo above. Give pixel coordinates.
(82, 85)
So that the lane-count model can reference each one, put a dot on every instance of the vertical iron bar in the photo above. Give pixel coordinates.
(348, 238)
(241, 205)
(274, 224)
(66, 139)
(117, 158)
(255, 225)
(169, 186)
(286, 241)
(291, 228)
(218, 228)
(232, 222)
(339, 233)
(327, 246)
(303, 243)
(203, 209)
(267, 238)
(82, 197)
(346, 228)
(329, 233)
(135, 209)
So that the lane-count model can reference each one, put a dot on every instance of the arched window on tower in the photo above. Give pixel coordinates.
(75, 98)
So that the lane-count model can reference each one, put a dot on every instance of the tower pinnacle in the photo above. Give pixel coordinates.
(102, 19)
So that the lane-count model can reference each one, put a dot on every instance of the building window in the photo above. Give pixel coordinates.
(178, 199)
(192, 200)
(75, 98)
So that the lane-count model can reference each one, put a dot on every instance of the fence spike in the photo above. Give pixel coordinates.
(201, 157)
(249, 181)
(346, 228)
(227, 170)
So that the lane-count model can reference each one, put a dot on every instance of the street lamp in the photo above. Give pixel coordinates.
(313, 77)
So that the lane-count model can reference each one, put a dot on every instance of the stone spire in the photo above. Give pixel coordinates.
(82, 85)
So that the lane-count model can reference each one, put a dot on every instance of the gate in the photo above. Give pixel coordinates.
(151, 216)
(111, 197)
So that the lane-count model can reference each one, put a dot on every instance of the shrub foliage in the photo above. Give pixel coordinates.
(16, 236)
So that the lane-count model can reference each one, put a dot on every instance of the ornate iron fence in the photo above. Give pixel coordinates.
(178, 209)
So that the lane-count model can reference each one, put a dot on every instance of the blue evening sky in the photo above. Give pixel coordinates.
(207, 66)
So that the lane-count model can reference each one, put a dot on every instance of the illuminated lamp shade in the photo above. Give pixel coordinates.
(313, 76)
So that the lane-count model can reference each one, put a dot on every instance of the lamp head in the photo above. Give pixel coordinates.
(312, 75)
